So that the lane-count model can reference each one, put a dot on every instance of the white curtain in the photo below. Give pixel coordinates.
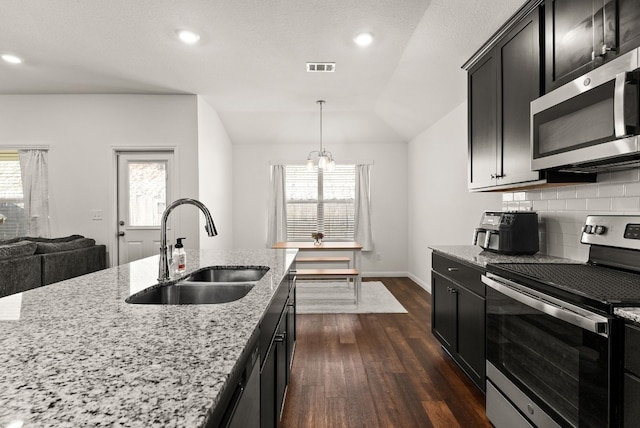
(362, 227)
(277, 228)
(35, 185)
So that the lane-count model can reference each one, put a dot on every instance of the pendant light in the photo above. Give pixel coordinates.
(325, 158)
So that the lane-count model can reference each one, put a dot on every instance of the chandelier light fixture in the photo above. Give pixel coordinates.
(325, 158)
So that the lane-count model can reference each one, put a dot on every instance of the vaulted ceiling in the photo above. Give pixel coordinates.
(250, 61)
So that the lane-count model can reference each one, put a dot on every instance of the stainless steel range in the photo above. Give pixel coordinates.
(554, 347)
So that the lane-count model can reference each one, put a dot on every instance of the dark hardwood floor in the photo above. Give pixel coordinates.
(378, 370)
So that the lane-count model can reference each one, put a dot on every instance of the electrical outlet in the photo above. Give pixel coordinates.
(378, 256)
(96, 214)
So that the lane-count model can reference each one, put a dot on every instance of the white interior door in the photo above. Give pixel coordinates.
(143, 191)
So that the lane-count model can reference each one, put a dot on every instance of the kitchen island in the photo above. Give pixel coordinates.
(75, 353)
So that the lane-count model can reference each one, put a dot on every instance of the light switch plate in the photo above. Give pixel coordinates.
(96, 214)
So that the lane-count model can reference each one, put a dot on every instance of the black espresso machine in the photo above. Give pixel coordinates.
(508, 232)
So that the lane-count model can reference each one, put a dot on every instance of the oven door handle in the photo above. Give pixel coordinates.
(549, 305)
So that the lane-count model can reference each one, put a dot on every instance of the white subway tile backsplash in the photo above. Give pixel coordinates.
(567, 192)
(532, 195)
(610, 190)
(513, 206)
(557, 205)
(526, 206)
(587, 191)
(563, 210)
(540, 205)
(624, 176)
(632, 189)
(626, 204)
(598, 204)
(576, 204)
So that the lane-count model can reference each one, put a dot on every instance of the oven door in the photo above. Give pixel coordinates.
(548, 359)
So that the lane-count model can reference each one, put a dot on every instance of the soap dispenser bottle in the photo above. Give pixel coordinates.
(180, 256)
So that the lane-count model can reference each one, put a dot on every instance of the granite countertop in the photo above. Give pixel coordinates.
(631, 314)
(75, 353)
(481, 258)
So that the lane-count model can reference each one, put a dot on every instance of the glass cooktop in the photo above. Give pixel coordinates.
(586, 284)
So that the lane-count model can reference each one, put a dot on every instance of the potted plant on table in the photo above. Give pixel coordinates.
(317, 238)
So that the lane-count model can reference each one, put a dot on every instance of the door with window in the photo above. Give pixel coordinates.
(143, 191)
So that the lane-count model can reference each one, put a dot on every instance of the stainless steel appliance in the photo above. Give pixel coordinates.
(554, 347)
(589, 124)
(508, 232)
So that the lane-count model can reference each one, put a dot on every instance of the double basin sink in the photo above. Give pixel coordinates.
(215, 284)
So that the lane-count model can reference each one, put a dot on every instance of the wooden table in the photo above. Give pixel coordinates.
(351, 272)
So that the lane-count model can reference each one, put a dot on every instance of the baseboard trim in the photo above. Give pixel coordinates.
(385, 274)
(420, 282)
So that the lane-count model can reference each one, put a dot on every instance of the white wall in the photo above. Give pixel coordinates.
(214, 176)
(82, 132)
(388, 197)
(441, 211)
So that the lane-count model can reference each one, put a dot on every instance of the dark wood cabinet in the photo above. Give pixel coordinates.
(631, 382)
(458, 314)
(277, 344)
(482, 106)
(581, 35)
(518, 85)
(501, 86)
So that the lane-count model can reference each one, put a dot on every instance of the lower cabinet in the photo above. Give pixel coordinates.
(631, 383)
(458, 314)
(277, 343)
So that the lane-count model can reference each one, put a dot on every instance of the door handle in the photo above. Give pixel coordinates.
(120, 233)
(121, 222)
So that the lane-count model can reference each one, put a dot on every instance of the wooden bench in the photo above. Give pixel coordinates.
(339, 259)
(333, 273)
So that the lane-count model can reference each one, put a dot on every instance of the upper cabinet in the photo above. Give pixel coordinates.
(501, 86)
(580, 35)
(509, 72)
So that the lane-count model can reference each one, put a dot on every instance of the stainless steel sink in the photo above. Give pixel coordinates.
(215, 284)
(228, 274)
(192, 293)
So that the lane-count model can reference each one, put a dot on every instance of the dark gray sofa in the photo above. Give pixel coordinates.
(29, 262)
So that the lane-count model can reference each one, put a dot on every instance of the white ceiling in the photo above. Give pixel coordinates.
(250, 62)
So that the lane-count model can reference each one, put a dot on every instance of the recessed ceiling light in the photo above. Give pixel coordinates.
(363, 39)
(12, 59)
(188, 37)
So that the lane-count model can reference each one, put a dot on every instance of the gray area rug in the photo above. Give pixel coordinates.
(338, 298)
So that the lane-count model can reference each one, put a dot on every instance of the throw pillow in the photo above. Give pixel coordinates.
(18, 249)
(52, 240)
(54, 247)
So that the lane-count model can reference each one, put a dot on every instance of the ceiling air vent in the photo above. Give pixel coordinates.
(321, 67)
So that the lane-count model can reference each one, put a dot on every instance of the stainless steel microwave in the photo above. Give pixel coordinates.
(591, 123)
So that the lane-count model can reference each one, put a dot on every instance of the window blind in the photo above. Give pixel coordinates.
(320, 201)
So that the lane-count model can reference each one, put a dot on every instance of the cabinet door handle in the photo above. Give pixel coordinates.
(452, 269)
(280, 337)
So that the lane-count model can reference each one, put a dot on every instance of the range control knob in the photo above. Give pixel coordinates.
(599, 230)
(587, 229)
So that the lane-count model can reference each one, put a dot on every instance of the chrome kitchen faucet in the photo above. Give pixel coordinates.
(163, 269)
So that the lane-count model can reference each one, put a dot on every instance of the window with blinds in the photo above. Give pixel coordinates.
(320, 201)
(12, 221)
